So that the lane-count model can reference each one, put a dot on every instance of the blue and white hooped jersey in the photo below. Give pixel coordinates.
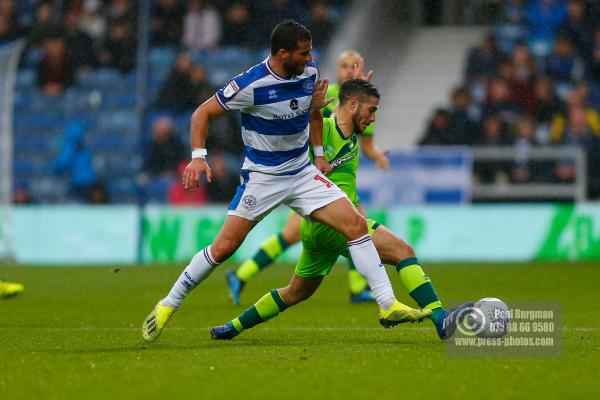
(275, 114)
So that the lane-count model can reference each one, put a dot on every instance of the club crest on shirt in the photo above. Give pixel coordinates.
(231, 89)
(249, 202)
(308, 86)
(294, 104)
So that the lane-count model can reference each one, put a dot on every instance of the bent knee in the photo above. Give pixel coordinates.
(356, 226)
(222, 249)
(406, 251)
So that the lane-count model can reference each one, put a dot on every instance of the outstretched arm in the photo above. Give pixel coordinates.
(207, 111)
(367, 144)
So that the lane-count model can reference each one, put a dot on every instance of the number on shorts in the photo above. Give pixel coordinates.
(322, 179)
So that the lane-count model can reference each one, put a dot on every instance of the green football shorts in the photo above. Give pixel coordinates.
(321, 247)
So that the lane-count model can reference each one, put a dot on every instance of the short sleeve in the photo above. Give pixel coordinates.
(234, 95)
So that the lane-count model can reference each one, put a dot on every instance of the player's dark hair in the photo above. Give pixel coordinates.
(287, 35)
(357, 88)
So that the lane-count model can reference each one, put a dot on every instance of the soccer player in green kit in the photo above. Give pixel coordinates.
(350, 64)
(321, 245)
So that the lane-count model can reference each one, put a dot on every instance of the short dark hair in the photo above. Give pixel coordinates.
(357, 88)
(287, 35)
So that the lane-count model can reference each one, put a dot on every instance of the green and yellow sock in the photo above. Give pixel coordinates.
(419, 286)
(269, 250)
(269, 306)
(356, 282)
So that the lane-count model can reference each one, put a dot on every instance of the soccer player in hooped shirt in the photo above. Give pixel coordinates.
(278, 98)
(321, 245)
(350, 64)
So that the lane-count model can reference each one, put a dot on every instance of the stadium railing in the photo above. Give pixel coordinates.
(519, 191)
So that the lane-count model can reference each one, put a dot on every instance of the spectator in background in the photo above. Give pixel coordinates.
(493, 134)
(44, 25)
(547, 104)
(177, 93)
(201, 87)
(577, 104)
(201, 26)
(121, 10)
(93, 21)
(55, 70)
(578, 27)
(238, 29)
(500, 103)
(97, 194)
(594, 62)
(21, 194)
(118, 50)
(224, 182)
(9, 25)
(462, 126)
(167, 23)
(181, 197)
(79, 44)
(577, 133)
(521, 81)
(166, 150)
(524, 170)
(544, 18)
(438, 131)
(75, 161)
(483, 61)
(565, 66)
(273, 12)
(320, 24)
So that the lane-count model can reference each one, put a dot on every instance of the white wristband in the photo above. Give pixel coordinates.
(199, 153)
(318, 151)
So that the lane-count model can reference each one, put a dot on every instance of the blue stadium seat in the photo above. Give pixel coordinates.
(125, 190)
(162, 56)
(118, 121)
(26, 78)
(157, 190)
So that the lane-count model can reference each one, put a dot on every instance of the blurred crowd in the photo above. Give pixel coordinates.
(71, 39)
(535, 81)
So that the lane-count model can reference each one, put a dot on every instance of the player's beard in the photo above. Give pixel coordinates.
(291, 68)
(356, 121)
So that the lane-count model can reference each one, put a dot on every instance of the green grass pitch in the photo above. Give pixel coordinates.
(75, 334)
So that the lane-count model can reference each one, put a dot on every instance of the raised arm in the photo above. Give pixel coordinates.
(367, 144)
(207, 111)
(318, 102)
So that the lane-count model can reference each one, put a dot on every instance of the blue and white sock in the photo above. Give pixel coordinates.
(199, 268)
(367, 262)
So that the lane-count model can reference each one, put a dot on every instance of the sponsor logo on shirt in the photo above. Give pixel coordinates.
(294, 104)
(272, 94)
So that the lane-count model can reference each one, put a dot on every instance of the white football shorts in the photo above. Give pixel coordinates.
(304, 192)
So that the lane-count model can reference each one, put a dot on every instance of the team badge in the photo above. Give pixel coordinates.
(249, 202)
(308, 86)
(294, 104)
(231, 89)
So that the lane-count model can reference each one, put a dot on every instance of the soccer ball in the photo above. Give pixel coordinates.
(490, 318)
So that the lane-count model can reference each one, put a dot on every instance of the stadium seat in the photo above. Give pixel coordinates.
(157, 190)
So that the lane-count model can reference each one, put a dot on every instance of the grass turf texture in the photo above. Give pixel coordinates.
(75, 333)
